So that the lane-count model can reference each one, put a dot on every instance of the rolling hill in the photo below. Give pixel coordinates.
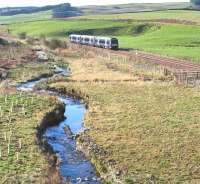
(134, 7)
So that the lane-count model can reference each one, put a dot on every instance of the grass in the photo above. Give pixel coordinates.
(29, 71)
(180, 41)
(21, 160)
(59, 28)
(149, 131)
(18, 52)
(188, 15)
(26, 17)
(171, 40)
(132, 7)
(145, 134)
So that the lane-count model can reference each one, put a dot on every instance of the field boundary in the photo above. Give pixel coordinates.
(183, 72)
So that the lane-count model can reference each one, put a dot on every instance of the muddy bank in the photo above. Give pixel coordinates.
(53, 118)
(56, 137)
(42, 76)
(85, 144)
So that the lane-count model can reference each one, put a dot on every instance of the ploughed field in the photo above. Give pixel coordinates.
(156, 32)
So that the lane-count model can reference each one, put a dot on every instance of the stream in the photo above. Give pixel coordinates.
(74, 166)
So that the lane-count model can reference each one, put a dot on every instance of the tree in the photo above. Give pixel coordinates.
(65, 10)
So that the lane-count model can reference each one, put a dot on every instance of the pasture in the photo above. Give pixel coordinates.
(133, 7)
(188, 15)
(181, 41)
(60, 28)
(26, 17)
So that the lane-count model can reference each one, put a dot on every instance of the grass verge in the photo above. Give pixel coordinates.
(21, 159)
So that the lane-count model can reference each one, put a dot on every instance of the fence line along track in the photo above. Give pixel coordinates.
(171, 63)
(183, 71)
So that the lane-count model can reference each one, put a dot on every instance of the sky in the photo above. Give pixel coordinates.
(11, 3)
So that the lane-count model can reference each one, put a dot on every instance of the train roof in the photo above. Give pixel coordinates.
(97, 37)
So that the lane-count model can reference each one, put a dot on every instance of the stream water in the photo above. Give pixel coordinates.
(74, 166)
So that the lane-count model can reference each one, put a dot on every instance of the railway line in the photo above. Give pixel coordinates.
(171, 63)
(112, 43)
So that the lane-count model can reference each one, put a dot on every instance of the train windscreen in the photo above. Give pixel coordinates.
(114, 41)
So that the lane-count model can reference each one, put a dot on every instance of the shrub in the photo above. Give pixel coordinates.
(3, 42)
(22, 35)
(30, 40)
(55, 43)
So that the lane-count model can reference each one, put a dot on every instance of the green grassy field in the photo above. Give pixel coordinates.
(171, 40)
(189, 15)
(60, 28)
(133, 7)
(174, 40)
(26, 17)
(21, 160)
(180, 41)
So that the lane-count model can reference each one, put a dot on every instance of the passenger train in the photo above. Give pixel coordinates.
(96, 41)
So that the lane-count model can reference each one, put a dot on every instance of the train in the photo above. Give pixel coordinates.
(95, 41)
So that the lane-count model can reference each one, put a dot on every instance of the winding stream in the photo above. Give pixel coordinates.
(74, 166)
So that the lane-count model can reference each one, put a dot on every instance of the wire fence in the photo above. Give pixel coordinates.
(189, 79)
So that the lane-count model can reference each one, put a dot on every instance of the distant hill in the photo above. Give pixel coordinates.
(133, 7)
(59, 11)
(29, 14)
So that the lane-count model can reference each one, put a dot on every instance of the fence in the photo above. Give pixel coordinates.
(133, 62)
(190, 79)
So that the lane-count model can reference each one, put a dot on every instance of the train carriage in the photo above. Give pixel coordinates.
(97, 41)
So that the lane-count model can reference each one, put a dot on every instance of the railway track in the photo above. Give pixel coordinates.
(172, 63)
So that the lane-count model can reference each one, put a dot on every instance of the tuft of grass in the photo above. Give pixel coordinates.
(29, 71)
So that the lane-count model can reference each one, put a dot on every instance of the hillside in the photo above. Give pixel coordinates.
(23, 14)
(26, 14)
(180, 41)
(10, 11)
(43, 15)
(134, 7)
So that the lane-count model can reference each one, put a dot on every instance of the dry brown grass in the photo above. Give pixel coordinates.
(94, 64)
(96, 69)
(148, 130)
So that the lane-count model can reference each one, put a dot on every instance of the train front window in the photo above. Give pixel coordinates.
(114, 41)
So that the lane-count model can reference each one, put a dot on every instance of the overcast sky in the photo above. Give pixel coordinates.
(5, 3)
